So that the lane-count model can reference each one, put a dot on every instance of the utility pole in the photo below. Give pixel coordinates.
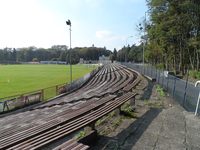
(144, 38)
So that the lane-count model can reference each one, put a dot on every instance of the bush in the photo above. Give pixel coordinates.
(160, 66)
(194, 74)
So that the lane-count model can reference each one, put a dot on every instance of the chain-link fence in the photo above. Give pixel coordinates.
(19, 101)
(182, 91)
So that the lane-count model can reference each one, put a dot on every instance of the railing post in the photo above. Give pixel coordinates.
(156, 74)
(143, 69)
(184, 98)
(163, 78)
(42, 91)
(167, 80)
(56, 90)
(174, 86)
(5, 105)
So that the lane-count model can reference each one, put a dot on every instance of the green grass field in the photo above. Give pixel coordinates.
(18, 79)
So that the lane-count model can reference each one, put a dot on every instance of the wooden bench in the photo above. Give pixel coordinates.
(42, 136)
(71, 145)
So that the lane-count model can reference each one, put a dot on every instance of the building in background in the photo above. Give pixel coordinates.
(104, 60)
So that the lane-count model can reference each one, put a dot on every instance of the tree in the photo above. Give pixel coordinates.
(56, 52)
(173, 33)
(114, 54)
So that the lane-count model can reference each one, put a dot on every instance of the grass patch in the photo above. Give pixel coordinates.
(80, 135)
(108, 123)
(160, 90)
(146, 102)
(18, 79)
(128, 111)
(117, 122)
(111, 125)
(155, 104)
(104, 119)
(158, 103)
(99, 122)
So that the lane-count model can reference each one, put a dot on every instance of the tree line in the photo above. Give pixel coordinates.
(172, 34)
(130, 54)
(55, 53)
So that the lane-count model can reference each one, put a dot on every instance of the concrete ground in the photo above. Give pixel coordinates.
(162, 124)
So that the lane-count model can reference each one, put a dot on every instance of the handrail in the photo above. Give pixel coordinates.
(29, 92)
(197, 106)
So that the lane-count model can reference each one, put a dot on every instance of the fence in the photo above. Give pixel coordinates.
(184, 92)
(25, 99)
(19, 101)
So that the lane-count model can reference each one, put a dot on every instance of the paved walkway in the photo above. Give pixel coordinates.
(171, 128)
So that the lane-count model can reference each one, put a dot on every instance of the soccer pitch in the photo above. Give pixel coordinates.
(18, 79)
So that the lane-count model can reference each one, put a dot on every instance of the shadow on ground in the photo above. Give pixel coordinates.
(148, 91)
(129, 136)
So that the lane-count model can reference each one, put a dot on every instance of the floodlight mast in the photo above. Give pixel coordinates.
(68, 22)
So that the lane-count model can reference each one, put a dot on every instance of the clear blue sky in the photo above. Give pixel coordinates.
(41, 23)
